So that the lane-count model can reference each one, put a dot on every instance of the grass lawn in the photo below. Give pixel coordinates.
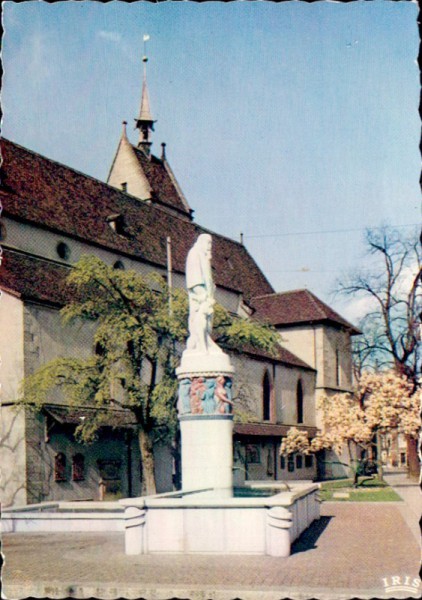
(369, 490)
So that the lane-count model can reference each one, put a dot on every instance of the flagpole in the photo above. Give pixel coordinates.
(169, 272)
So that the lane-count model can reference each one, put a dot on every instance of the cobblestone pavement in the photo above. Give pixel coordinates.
(410, 492)
(346, 554)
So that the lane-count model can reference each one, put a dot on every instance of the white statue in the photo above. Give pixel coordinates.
(201, 296)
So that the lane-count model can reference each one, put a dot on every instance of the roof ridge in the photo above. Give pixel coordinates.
(281, 293)
(317, 303)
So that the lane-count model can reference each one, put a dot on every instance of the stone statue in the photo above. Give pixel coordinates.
(201, 297)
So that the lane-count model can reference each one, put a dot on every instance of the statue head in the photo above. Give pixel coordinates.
(204, 244)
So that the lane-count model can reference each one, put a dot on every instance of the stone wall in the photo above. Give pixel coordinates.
(12, 424)
(12, 456)
(319, 346)
(248, 389)
(126, 169)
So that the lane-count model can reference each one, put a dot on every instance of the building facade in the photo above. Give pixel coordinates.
(52, 215)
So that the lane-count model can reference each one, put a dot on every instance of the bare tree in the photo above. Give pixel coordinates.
(391, 329)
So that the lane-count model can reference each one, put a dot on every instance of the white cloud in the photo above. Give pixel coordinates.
(110, 36)
(355, 309)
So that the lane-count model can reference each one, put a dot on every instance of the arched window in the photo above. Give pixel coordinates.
(78, 467)
(299, 401)
(60, 467)
(266, 397)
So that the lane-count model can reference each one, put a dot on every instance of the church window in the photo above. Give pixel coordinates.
(253, 454)
(299, 401)
(78, 467)
(60, 467)
(63, 251)
(290, 463)
(266, 397)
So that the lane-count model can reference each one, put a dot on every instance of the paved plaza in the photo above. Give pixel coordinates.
(346, 554)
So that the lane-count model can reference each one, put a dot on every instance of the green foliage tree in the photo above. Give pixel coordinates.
(137, 340)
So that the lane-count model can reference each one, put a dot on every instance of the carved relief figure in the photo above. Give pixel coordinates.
(223, 395)
(196, 391)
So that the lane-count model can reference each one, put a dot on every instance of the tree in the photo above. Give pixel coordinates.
(381, 403)
(392, 326)
(137, 338)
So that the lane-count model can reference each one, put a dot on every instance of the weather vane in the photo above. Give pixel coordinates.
(145, 57)
(146, 38)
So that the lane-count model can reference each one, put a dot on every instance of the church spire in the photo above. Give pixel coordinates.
(145, 122)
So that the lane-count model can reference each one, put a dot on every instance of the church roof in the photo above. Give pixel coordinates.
(110, 417)
(34, 279)
(295, 307)
(165, 190)
(48, 194)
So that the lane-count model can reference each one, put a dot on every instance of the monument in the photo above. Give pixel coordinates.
(205, 404)
(206, 516)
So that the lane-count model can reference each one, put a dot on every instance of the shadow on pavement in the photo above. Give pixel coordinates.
(308, 539)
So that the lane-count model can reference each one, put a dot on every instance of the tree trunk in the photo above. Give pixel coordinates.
(380, 473)
(354, 469)
(147, 457)
(412, 457)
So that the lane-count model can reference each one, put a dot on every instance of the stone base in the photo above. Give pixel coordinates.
(195, 363)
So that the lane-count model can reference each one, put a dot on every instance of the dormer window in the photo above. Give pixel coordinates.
(116, 223)
(124, 186)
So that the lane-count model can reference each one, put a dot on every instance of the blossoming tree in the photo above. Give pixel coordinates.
(382, 402)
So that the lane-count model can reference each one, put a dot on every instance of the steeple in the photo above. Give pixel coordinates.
(145, 122)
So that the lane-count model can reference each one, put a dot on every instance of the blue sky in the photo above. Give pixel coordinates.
(284, 121)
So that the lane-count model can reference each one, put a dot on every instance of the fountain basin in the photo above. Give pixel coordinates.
(200, 522)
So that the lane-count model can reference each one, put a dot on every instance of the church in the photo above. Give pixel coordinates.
(51, 216)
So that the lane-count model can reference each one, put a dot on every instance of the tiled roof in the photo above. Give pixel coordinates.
(269, 429)
(280, 355)
(163, 188)
(74, 416)
(34, 279)
(298, 306)
(40, 191)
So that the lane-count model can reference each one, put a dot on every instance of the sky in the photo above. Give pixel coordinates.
(293, 123)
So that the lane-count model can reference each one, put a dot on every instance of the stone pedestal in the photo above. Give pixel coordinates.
(207, 453)
(206, 422)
